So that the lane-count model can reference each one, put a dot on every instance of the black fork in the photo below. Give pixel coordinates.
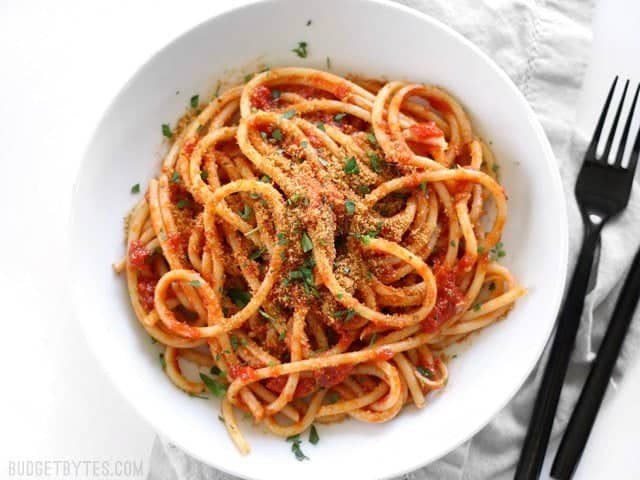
(602, 192)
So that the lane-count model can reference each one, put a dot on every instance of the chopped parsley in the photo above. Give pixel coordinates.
(175, 177)
(314, 438)
(339, 116)
(282, 239)
(376, 163)
(304, 144)
(320, 125)
(276, 135)
(296, 198)
(308, 22)
(240, 297)
(195, 283)
(288, 114)
(492, 286)
(305, 243)
(204, 175)
(163, 362)
(166, 130)
(480, 249)
(366, 238)
(216, 388)
(215, 370)
(264, 314)
(248, 77)
(364, 189)
(344, 315)
(304, 274)
(477, 307)
(257, 253)
(301, 50)
(328, 63)
(182, 203)
(234, 342)
(333, 397)
(135, 188)
(351, 166)
(423, 186)
(425, 372)
(372, 138)
(275, 94)
(265, 179)
(197, 396)
(453, 243)
(373, 339)
(194, 101)
(216, 94)
(295, 447)
(245, 212)
(350, 206)
(497, 252)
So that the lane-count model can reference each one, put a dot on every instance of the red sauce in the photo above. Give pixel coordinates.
(342, 91)
(384, 353)
(314, 140)
(188, 147)
(138, 254)
(261, 98)
(330, 376)
(176, 242)
(242, 373)
(426, 130)
(465, 264)
(305, 385)
(146, 291)
(448, 302)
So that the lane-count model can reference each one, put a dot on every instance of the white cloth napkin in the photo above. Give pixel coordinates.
(543, 45)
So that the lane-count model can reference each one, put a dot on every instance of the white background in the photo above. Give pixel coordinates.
(60, 64)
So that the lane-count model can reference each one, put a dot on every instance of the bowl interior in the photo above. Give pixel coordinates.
(371, 38)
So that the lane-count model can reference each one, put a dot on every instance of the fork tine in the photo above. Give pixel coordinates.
(591, 151)
(612, 131)
(635, 153)
(625, 132)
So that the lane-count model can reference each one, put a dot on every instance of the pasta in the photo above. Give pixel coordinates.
(317, 243)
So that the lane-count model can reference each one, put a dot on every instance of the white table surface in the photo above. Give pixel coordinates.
(60, 64)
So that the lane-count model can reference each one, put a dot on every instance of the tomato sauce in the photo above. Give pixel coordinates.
(448, 302)
(305, 385)
(146, 291)
(330, 376)
(384, 353)
(138, 255)
(262, 98)
(426, 130)
(242, 373)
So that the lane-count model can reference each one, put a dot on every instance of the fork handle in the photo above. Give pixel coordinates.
(535, 443)
(584, 415)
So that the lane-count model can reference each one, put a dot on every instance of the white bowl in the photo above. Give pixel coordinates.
(372, 38)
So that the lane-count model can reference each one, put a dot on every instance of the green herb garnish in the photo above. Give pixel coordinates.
(314, 438)
(135, 188)
(194, 101)
(166, 130)
(350, 206)
(301, 50)
(288, 114)
(351, 166)
(240, 297)
(216, 388)
(305, 243)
